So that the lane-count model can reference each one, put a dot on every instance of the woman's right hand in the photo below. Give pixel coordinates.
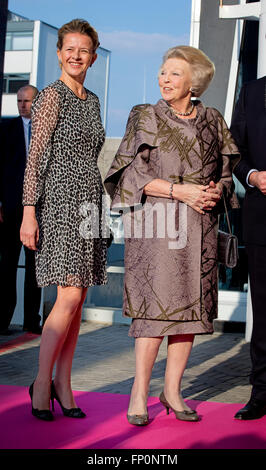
(29, 230)
(193, 195)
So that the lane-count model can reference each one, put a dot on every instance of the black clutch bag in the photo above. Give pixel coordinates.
(227, 245)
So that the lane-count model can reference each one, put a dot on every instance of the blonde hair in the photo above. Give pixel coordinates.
(202, 68)
(78, 26)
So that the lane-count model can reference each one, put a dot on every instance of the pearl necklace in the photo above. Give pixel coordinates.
(178, 113)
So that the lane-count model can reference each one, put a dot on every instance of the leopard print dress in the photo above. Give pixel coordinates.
(63, 181)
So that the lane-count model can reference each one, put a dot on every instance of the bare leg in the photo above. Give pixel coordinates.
(62, 378)
(146, 350)
(53, 337)
(179, 348)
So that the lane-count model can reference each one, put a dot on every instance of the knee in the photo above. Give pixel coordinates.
(70, 298)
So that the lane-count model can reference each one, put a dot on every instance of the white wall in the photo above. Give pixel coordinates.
(9, 105)
(17, 61)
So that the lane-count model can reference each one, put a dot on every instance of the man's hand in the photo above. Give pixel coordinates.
(258, 179)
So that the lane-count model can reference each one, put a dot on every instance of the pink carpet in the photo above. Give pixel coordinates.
(106, 426)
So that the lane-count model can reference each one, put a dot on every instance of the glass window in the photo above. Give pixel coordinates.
(13, 82)
(22, 42)
(8, 41)
(19, 41)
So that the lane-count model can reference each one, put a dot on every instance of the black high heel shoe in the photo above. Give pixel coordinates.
(69, 412)
(45, 415)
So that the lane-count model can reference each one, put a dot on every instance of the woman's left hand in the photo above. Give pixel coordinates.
(216, 190)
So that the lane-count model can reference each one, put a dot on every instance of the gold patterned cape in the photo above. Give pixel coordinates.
(170, 249)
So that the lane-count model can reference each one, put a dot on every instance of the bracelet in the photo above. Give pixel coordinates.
(171, 190)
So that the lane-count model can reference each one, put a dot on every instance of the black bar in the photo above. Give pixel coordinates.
(3, 21)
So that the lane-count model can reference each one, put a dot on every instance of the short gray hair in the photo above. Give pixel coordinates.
(202, 68)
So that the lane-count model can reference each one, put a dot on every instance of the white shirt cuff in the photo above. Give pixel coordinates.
(250, 171)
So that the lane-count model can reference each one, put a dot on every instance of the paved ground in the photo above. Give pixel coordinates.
(218, 368)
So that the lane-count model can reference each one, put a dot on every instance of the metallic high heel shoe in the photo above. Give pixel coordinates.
(138, 420)
(68, 412)
(189, 410)
(182, 415)
(45, 415)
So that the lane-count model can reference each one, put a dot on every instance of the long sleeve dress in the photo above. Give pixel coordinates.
(170, 249)
(63, 181)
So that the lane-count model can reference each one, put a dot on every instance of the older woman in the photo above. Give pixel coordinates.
(61, 181)
(174, 162)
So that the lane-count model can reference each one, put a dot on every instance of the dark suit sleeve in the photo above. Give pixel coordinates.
(239, 133)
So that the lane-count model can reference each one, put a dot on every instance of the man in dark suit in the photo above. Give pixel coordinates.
(249, 131)
(14, 140)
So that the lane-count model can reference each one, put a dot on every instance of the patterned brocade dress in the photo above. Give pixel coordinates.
(62, 180)
(170, 284)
